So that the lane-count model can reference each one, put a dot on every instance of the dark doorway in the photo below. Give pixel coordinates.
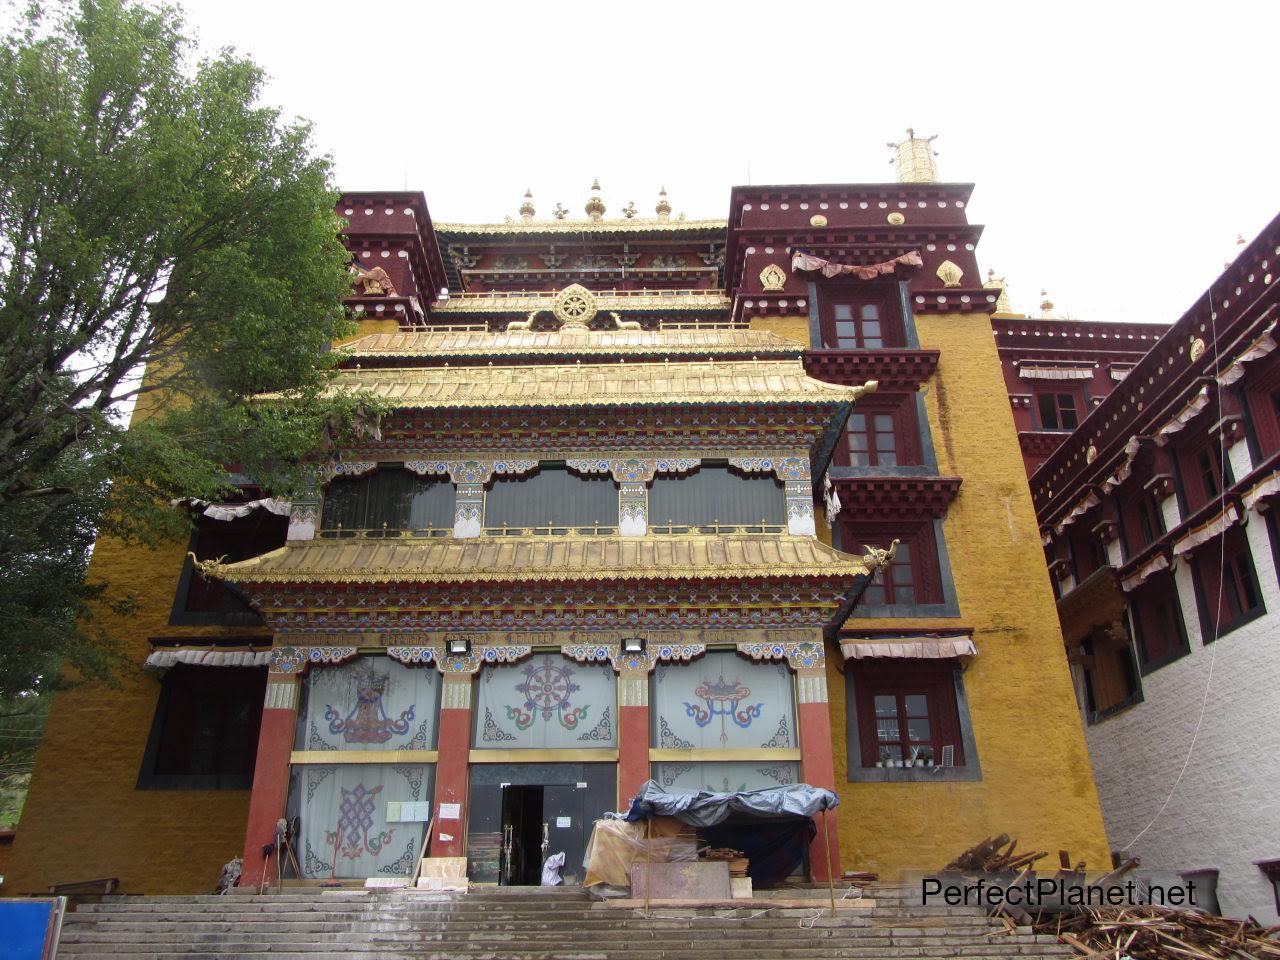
(523, 836)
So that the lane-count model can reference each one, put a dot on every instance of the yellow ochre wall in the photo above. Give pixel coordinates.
(1037, 784)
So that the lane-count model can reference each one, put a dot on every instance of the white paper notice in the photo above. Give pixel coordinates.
(450, 811)
(562, 822)
(582, 785)
(446, 837)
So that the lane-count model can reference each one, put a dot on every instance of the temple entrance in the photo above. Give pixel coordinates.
(538, 821)
(522, 813)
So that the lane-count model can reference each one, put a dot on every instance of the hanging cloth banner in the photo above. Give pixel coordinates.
(867, 271)
(230, 511)
(915, 648)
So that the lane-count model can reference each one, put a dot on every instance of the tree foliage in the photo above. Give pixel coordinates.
(153, 216)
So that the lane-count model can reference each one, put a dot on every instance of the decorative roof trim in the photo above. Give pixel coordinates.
(587, 227)
(893, 369)
(452, 561)
(898, 496)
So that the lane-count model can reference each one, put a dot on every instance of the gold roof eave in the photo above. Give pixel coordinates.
(592, 385)
(534, 342)
(607, 301)
(447, 561)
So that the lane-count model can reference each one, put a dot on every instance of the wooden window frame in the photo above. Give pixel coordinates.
(922, 547)
(1239, 575)
(934, 679)
(908, 449)
(1075, 394)
(1154, 608)
(885, 297)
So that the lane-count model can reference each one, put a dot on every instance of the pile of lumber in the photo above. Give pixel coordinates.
(858, 878)
(736, 859)
(1158, 933)
(993, 855)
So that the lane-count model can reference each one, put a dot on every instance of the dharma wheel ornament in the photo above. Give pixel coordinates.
(575, 306)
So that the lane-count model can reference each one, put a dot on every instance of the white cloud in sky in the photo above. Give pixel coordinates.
(1118, 149)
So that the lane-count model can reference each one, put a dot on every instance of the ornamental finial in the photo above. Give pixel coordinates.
(595, 204)
(997, 283)
(526, 209)
(663, 209)
(914, 159)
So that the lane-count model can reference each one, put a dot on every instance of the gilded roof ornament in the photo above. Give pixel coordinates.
(914, 159)
(526, 208)
(560, 212)
(595, 203)
(629, 211)
(575, 306)
(1003, 305)
(773, 278)
(663, 209)
(950, 273)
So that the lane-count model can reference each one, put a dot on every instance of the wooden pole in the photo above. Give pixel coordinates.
(648, 862)
(831, 867)
(426, 840)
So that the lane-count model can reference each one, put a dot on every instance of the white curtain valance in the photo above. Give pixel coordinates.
(163, 659)
(1206, 531)
(1055, 373)
(1119, 373)
(230, 511)
(1260, 347)
(914, 648)
(1183, 416)
(1084, 506)
(1144, 572)
(1121, 475)
(1266, 488)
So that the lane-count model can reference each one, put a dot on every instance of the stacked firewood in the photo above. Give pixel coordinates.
(993, 855)
(736, 859)
(1158, 933)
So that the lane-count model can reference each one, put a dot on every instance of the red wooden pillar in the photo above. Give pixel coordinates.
(633, 731)
(270, 772)
(452, 766)
(817, 764)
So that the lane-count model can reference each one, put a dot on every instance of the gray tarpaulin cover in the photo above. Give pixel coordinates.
(707, 809)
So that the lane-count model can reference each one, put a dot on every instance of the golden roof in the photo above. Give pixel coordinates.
(544, 558)
(634, 225)
(469, 343)
(579, 385)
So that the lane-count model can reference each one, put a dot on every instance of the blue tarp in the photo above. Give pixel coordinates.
(707, 809)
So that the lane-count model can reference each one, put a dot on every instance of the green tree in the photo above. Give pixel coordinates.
(153, 216)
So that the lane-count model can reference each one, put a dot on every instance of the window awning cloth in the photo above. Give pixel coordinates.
(1206, 531)
(1055, 373)
(706, 809)
(163, 659)
(1143, 573)
(1084, 506)
(230, 511)
(1260, 347)
(1183, 416)
(1119, 373)
(914, 648)
(863, 271)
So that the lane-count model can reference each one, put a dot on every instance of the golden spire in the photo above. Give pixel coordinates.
(526, 209)
(663, 208)
(595, 205)
(914, 159)
(997, 283)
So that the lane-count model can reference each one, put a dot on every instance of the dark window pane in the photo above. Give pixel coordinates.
(917, 705)
(842, 311)
(552, 496)
(884, 423)
(1048, 412)
(209, 721)
(886, 707)
(846, 328)
(918, 730)
(871, 328)
(716, 494)
(870, 311)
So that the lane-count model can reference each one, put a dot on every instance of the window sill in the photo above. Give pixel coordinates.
(1245, 620)
(1146, 669)
(1097, 716)
(913, 774)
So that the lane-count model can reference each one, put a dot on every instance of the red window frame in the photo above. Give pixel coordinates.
(846, 304)
(1234, 598)
(931, 683)
(1142, 522)
(1056, 395)
(898, 421)
(1205, 471)
(914, 576)
(1159, 632)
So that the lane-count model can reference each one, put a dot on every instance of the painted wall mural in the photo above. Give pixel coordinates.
(369, 703)
(724, 776)
(723, 701)
(546, 702)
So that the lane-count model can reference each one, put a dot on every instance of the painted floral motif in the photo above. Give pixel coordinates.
(491, 732)
(601, 732)
(667, 738)
(351, 838)
(722, 698)
(782, 738)
(368, 721)
(547, 689)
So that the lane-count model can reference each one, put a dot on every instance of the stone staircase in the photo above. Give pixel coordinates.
(529, 924)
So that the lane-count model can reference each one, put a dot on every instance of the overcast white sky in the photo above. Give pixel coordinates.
(1117, 148)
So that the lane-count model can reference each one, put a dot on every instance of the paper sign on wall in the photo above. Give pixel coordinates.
(450, 811)
(562, 822)
(408, 811)
(582, 785)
